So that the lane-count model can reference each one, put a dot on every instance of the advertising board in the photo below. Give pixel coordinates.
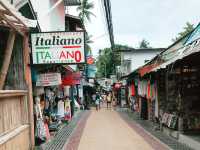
(58, 48)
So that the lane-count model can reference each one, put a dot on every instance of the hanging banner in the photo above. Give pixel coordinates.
(72, 79)
(48, 79)
(58, 48)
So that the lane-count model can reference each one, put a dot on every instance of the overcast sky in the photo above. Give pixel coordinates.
(158, 21)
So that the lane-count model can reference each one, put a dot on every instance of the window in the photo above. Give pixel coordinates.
(15, 75)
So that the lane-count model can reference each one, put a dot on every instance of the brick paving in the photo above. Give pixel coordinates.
(142, 126)
(118, 130)
(106, 130)
(62, 138)
(74, 139)
(157, 145)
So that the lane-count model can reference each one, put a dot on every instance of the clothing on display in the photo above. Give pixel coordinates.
(170, 120)
(147, 89)
(60, 109)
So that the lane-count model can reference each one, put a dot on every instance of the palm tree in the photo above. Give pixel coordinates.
(88, 41)
(85, 10)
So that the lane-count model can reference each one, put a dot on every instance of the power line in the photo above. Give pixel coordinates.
(107, 9)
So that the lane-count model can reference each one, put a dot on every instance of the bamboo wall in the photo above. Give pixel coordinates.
(14, 127)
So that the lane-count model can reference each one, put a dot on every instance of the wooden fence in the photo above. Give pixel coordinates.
(14, 127)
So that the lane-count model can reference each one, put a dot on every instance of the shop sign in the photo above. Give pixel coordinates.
(48, 79)
(90, 60)
(58, 48)
(72, 79)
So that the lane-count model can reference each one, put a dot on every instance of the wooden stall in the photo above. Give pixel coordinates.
(16, 104)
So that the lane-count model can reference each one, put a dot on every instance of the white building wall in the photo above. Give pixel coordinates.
(138, 58)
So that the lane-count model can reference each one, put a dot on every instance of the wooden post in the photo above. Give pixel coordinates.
(29, 84)
(166, 84)
(7, 57)
(180, 103)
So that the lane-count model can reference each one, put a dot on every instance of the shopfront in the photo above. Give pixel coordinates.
(56, 93)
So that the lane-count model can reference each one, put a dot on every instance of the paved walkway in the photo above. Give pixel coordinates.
(106, 130)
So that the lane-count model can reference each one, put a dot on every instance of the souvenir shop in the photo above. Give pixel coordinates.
(52, 103)
(168, 96)
(148, 102)
(54, 98)
(133, 95)
(189, 103)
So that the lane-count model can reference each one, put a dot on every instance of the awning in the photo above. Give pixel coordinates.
(183, 52)
(10, 17)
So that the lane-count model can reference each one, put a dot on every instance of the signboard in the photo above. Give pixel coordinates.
(58, 48)
(90, 60)
(72, 79)
(48, 79)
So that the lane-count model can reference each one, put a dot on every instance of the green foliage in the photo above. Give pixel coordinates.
(144, 44)
(108, 60)
(187, 29)
(85, 10)
(88, 41)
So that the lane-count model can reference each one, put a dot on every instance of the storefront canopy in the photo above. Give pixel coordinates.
(191, 46)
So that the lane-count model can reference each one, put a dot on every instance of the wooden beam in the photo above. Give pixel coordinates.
(12, 14)
(5, 12)
(11, 24)
(7, 57)
(12, 93)
(6, 25)
(5, 138)
(27, 74)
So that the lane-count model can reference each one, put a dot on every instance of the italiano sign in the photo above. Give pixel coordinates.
(58, 48)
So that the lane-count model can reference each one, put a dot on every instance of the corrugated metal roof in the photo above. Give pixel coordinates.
(72, 2)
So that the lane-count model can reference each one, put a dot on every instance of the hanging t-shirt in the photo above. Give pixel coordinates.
(148, 90)
(132, 89)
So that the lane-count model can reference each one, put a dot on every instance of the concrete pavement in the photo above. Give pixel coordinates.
(105, 130)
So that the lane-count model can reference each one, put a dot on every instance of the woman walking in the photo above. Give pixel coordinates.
(109, 100)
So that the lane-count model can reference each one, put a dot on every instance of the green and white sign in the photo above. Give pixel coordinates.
(58, 48)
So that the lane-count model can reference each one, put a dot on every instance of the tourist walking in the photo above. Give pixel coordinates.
(109, 100)
(97, 102)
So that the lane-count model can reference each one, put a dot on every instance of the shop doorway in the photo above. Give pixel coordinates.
(144, 108)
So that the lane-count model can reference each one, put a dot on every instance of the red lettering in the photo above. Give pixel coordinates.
(70, 54)
(62, 55)
(78, 56)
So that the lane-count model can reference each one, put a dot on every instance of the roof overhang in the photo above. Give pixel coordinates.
(10, 17)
